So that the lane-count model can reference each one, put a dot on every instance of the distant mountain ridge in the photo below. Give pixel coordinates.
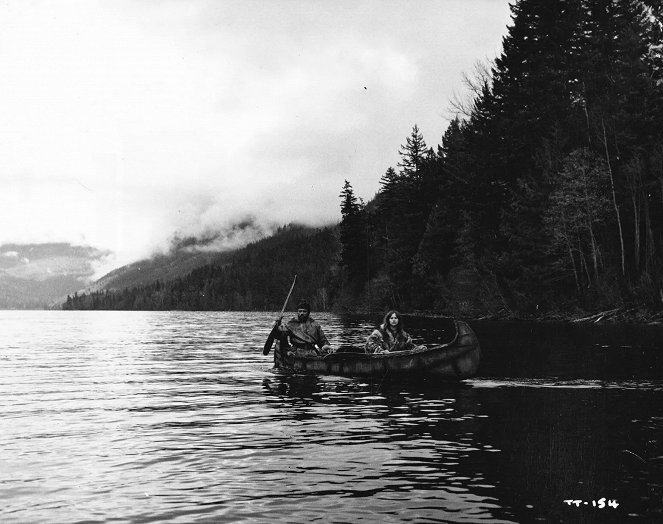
(38, 276)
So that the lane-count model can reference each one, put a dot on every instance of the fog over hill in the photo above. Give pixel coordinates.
(161, 267)
(186, 253)
(36, 276)
(253, 277)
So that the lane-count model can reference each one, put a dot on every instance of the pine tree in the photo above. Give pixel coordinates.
(403, 206)
(437, 249)
(353, 236)
(413, 154)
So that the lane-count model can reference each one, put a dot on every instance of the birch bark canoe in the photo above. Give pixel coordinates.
(455, 360)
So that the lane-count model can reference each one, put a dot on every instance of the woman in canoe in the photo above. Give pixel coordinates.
(390, 336)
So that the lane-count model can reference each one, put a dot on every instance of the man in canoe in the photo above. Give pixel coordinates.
(390, 336)
(303, 334)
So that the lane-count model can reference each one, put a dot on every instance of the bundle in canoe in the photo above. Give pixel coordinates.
(455, 360)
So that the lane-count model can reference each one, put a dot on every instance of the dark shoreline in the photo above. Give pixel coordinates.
(622, 315)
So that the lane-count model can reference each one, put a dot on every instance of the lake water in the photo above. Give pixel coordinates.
(178, 417)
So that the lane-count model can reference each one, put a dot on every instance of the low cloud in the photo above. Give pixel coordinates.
(44, 261)
(230, 237)
(142, 127)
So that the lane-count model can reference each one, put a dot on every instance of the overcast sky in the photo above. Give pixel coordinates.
(124, 123)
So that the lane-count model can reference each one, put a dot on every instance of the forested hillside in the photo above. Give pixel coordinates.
(544, 195)
(256, 277)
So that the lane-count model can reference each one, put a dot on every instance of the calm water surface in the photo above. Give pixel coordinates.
(178, 417)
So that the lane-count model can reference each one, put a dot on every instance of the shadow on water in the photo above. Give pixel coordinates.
(530, 349)
(583, 444)
(312, 386)
(526, 446)
(413, 440)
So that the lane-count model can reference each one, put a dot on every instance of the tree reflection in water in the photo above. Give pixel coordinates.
(515, 448)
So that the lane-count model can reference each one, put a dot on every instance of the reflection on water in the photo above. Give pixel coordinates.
(178, 416)
(566, 350)
(519, 447)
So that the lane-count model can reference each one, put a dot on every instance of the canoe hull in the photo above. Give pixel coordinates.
(456, 360)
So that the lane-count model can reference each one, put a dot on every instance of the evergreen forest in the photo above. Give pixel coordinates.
(256, 277)
(544, 196)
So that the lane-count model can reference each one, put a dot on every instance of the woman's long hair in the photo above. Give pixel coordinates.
(386, 326)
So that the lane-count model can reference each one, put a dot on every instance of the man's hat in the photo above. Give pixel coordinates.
(304, 305)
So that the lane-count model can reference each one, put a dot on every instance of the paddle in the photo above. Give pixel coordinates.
(275, 330)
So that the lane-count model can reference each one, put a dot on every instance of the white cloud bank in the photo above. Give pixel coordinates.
(127, 122)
